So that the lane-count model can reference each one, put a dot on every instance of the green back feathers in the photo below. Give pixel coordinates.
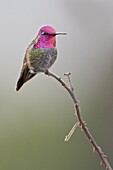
(36, 54)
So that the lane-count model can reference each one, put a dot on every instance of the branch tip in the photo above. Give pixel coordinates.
(67, 74)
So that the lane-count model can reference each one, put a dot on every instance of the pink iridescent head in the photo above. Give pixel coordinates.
(47, 37)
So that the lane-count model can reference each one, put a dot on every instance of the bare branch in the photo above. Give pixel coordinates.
(81, 123)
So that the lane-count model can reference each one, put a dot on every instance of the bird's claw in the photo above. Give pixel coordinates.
(47, 72)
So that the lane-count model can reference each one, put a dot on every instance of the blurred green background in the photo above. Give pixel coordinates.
(35, 120)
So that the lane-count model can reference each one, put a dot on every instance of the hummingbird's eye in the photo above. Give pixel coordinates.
(44, 33)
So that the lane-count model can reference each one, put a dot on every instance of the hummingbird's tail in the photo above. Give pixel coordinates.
(19, 84)
(21, 81)
(24, 76)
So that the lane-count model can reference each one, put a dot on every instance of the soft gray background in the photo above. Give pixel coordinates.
(34, 121)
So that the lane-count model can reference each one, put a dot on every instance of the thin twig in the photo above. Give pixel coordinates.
(82, 124)
(69, 79)
(67, 137)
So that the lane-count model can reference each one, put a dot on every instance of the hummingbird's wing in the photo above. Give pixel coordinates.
(25, 74)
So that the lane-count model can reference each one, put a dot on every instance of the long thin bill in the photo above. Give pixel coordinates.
(61, 33)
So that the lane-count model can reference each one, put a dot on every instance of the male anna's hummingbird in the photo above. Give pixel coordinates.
(40, 54)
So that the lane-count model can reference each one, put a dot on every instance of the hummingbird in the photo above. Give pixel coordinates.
(40, 55)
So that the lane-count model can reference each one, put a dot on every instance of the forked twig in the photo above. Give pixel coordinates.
(80, 122)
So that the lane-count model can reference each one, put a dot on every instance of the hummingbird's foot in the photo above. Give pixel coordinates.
(47, 72)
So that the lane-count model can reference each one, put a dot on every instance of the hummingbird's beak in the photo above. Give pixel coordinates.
(61, 33)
